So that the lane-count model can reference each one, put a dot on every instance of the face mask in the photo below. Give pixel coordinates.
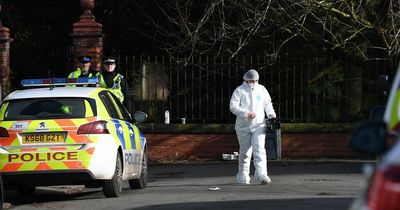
(252, 84)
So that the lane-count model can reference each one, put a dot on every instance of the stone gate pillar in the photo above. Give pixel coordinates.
(5, 41)
(87, 37)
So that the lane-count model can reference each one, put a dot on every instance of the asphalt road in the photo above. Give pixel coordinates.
(295, 185)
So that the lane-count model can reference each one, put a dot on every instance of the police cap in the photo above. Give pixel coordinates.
(84, 59)
(109, 60)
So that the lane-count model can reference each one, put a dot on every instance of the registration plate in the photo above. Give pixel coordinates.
(43, 138)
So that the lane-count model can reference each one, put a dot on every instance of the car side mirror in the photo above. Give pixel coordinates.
(369, 138)
(140, 116)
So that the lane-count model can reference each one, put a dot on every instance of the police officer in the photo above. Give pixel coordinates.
(84, 69)
(116, 83)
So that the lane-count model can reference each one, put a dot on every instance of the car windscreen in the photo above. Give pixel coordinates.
(49, 108)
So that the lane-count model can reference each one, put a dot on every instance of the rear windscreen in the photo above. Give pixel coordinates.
(48, 108)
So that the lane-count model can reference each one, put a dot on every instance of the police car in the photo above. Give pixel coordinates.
(70, 135)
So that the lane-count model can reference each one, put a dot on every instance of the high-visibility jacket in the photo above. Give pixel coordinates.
(77, 73)
(116, 88)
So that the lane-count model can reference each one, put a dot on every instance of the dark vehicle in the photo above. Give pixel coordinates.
(383, 182)
(379, 137)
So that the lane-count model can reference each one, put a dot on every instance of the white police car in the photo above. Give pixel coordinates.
(70, 135)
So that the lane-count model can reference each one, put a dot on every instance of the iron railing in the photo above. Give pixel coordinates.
(304, 88)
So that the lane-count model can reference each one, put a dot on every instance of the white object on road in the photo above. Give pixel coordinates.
(229, 157)
(214, 188)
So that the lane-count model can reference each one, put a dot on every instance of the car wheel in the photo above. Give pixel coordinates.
(113, 187)
(26, 189)
(142, 181)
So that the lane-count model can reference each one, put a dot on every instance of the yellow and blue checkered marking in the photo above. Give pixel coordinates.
(131, 135)
(135, 139)
(120, 132)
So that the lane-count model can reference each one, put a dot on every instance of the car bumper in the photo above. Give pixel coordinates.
(96, 159)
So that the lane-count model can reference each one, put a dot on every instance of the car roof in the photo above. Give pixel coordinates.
(84, 92)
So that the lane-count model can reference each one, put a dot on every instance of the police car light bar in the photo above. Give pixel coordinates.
(59, 81)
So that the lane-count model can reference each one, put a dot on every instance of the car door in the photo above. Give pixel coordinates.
(125, 131)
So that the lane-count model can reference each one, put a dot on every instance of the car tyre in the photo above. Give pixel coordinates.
(142, 181)
(113, 187)
(25, 189)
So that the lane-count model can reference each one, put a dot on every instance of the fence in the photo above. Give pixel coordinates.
(304, 88)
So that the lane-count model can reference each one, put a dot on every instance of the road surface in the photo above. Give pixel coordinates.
(295, 185)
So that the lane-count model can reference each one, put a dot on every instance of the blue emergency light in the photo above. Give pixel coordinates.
(60, 81)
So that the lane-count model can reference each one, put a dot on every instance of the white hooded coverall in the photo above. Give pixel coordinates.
(251, 132)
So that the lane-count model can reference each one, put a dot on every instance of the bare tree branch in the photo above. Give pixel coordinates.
(231, 27)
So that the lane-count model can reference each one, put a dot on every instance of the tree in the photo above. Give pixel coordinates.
(361, 30)
(368, 28)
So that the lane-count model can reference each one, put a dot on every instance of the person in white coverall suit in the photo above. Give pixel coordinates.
(251, 102)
